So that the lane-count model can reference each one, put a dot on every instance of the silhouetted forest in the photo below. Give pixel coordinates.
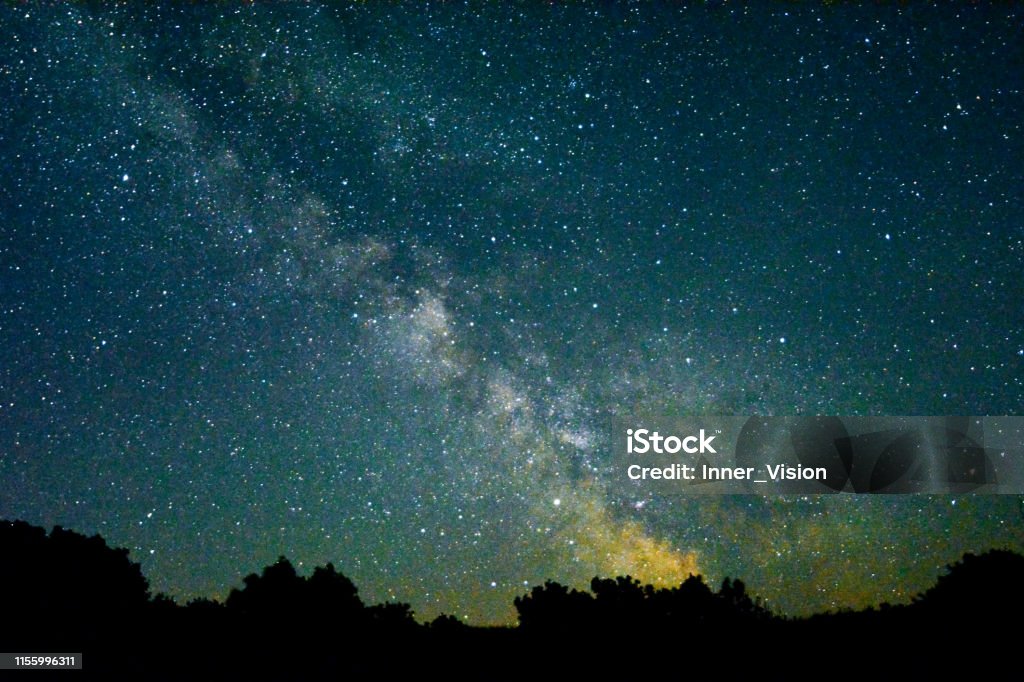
(66, 592)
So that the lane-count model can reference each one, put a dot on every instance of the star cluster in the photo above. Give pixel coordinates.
(366, 283)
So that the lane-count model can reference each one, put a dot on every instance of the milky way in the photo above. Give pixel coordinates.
(366, 284)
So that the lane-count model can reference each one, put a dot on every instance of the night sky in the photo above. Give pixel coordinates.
(366, 284)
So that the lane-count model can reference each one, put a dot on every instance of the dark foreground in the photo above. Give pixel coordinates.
(63, 592)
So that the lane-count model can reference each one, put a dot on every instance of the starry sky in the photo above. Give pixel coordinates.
(366, 283)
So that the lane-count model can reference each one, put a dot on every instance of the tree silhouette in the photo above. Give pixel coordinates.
(163, 602)
(204, 605)
(622, 593)
(66, 572)
(733, 594)
(689, 605)
(331, 592)
(392, 616)
(278, 591)
(446, 623)
(68, 588)
(979, 584)
(554, 606)
(624, 603)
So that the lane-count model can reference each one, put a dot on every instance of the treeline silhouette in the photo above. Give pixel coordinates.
(624, 601)
(66, 592)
